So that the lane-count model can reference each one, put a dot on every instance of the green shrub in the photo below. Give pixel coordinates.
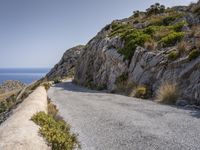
(171, 39)
(178, 27)
(142, 92)
(132, 40)
(155, 9)
(151, 29)
(57, 133)
(168, 20)
(136, 13)
(173, 55)
(167, 93)
(171, 18)
(46, 85)
(57, 80)
(193, 54)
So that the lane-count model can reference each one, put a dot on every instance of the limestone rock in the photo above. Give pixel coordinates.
(66, 64)
(100, 63)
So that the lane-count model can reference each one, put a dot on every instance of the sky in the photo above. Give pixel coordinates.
(36, 33)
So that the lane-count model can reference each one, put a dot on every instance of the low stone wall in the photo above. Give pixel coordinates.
(18, 131)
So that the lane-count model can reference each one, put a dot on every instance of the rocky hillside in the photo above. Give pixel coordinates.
(144, 52)
(65, 66)
(11, 85)
(147, 49)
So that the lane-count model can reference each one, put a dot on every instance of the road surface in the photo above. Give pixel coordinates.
(115, 122)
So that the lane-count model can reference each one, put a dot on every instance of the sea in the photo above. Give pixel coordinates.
(25, 75)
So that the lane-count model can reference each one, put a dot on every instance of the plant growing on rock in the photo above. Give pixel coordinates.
(167, 93)
(171, 39)
(121, 82)
(150, 45)
(182, 47)
(155, 9)
(46, 85)
(142, 92)
(136, 13)
(173, 55)
(57, 133)
(194, 54)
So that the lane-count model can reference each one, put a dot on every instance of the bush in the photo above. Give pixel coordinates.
(178, 27)
(193, 54)
(173, 55)
(155, 9)
(132, 38)
(56, 81)
(171, 18)
(167, 93)
(57, 133)
(136, 13)
(46, 85)
(142, 92)
(171, 39)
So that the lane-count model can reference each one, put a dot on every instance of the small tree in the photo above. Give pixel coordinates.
(155, 9)
(136, 13)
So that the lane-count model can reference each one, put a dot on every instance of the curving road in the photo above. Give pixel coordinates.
(115, 122)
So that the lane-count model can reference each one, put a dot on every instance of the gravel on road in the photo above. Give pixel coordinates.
(114, 122)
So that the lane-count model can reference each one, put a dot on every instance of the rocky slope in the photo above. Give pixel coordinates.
(148, 48)
(160, 45)
(11, 85)
(65, 66)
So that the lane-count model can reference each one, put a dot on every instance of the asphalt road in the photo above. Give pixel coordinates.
(115, 122)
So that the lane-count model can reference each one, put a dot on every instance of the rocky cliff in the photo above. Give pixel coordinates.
(148, 48)
(65, 66)
(160, 45)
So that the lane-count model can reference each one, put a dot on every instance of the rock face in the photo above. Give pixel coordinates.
(100, 63)
(66, 64)
(121, 50)
(150, 68)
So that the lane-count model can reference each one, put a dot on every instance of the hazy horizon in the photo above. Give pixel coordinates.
(35, 34)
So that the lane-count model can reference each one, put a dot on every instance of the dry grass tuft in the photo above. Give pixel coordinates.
(150, 45)
(182, 47)
(167, 93)
(52, 109)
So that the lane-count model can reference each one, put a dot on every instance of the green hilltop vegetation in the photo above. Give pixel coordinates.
(157, 28)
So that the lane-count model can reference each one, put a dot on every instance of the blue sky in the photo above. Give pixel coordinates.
(35, 33)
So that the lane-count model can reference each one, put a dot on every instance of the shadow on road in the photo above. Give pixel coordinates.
(70, 86)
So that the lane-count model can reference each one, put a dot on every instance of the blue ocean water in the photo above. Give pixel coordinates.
(25, 75)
